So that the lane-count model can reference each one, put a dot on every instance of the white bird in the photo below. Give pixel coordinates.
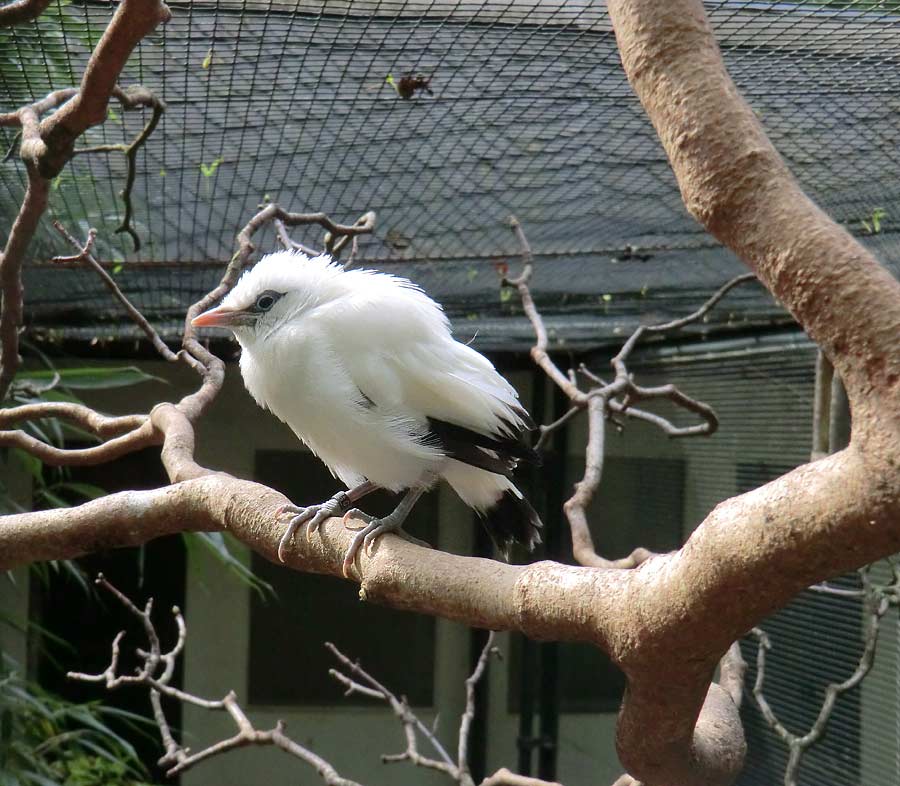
(363, 368)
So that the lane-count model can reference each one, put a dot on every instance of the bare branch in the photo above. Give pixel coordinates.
(84, 255)
(11, 292)
(876, 604)
(605, 399)
(465, 723)
(410, 722)
(133, 98)
(132, 20)
(156, 673)
(503, 777)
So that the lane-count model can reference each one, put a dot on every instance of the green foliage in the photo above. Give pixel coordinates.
(217, 544)
(36, 57)
(872, 226)
(209, 170)
(47, 741)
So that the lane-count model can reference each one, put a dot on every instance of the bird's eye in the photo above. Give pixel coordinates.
(266, 300)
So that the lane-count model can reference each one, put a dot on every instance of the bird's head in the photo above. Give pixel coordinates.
(279, 289)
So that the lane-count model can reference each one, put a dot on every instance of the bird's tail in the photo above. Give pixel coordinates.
(506, 514)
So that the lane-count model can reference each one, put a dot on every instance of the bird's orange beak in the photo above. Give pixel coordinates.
(220, 317)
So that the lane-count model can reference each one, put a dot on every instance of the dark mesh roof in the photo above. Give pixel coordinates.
(531, 114)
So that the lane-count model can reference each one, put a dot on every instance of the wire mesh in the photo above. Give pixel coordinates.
(287, 100)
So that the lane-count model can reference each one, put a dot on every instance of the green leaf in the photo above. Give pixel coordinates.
(505, 294)
(96, 378)
(207, 61)
(86, 490)
(209, 170)
(217, 545)
(33, 466)
(113, 116)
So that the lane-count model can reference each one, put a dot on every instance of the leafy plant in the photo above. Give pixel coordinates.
(872, 226)
(47, 741)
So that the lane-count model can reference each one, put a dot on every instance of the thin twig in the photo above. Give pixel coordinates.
(133, 98)
(410, 722)
(84, 255)
(156, 672)
(465, 723)
(875, 604)
(605, 399)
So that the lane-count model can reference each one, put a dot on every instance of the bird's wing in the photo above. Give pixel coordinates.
(398, 349)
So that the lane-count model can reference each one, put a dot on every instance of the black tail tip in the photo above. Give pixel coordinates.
(513, 520)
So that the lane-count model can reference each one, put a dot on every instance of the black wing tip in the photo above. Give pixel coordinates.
(512, 520)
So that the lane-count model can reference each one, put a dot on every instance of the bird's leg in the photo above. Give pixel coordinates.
(316, 514)
(374, 528)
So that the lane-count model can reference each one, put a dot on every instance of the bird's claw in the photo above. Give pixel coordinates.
(363, 518)
(368, 533)
(313, 514)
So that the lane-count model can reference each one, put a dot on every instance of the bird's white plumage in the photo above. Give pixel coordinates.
(355, 361)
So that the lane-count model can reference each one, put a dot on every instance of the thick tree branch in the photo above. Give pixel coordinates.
(33, 206)
(19, 11)
(734, 182)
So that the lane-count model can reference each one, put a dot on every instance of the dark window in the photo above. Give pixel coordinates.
(639, 503)
(288, 661)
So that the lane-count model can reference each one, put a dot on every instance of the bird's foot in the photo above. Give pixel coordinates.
(368, 531)
(313, 515)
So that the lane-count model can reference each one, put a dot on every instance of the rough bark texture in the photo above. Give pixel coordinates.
(669, 621)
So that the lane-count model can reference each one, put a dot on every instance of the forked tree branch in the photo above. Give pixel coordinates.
(134, 97)
(84, 255)
(605, 400)
(876, 601)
